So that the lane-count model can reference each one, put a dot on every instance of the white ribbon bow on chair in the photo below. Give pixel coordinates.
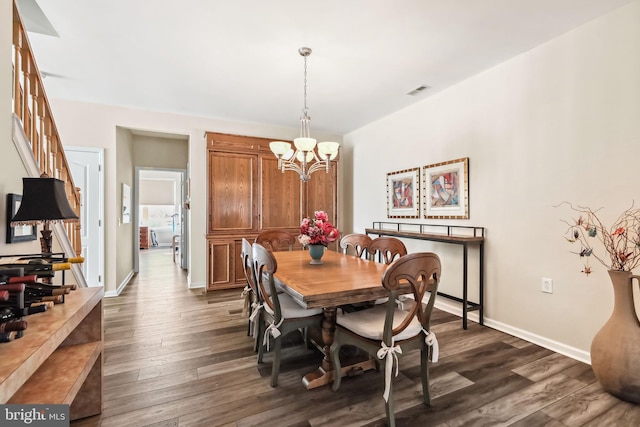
(432, 342)
(273, 330)
(391, 354)
(253, 319)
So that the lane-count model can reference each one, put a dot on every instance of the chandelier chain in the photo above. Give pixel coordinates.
(304, 159)
(305, 109)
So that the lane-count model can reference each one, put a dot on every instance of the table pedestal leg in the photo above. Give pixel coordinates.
(325, 372)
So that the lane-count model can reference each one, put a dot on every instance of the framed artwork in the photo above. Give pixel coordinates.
(19, 233)
(446, 189)
(403, 194)
(126, 204)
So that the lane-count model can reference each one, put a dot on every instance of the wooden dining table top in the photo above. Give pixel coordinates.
(340, 279)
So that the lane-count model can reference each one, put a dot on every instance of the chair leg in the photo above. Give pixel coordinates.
(307, 337)
(249, 321)
(258, 344)
(391, 418)
(424, 373)
(256, 340)
(275, 369)
(335, 360)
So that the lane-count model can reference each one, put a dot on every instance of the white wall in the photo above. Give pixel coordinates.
(93, 125)
(560, 122)
(125, 234)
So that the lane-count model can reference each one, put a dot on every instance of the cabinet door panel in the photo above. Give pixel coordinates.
(321, 193)
(221, 263)
(281, 193)
(232, 195)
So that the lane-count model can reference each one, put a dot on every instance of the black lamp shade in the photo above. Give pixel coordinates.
(44, 200)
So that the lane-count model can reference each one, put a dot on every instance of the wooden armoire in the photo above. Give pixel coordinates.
(247, 193)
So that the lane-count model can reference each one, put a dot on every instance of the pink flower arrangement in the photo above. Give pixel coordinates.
(317, 231)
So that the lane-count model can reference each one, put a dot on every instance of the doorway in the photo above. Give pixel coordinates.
(87, 171)
(160, 198)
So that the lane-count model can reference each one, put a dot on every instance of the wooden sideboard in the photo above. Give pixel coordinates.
(59, 359)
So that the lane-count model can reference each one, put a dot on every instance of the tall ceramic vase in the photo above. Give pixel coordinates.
(316, 252)
(615, 350)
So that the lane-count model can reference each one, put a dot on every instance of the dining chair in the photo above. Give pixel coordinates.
(389, 332)
(276, 240)
(251, 306)
(280, 314)
(386, 249)
(359, 243)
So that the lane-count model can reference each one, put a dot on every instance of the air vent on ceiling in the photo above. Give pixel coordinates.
(418, 90)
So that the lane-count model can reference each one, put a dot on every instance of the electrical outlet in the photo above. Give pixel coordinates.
(547, 285)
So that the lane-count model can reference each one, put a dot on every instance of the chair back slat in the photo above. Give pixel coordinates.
(358, 242)
(421, 271)
(276, 240)
(264, 267)
(387, 248)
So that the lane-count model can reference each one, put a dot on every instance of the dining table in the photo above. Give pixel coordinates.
(341, 279)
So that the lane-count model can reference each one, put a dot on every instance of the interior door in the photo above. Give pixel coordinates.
(87, 171)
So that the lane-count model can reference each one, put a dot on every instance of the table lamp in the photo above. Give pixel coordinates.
(44, 201)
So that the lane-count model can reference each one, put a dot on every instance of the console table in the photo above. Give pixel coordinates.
(59, 358)
(454, 234)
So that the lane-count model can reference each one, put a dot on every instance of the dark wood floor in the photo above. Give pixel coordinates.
(175, 357)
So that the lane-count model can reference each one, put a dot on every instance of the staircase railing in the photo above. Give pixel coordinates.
(31, 106)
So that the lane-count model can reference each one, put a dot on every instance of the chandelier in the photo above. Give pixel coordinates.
(304, 159)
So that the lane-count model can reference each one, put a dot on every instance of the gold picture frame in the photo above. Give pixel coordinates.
(403, 193)
(446, 189)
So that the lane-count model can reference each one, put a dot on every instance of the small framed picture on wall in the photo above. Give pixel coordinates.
(446, 189)
(18, 233)
(403, 193)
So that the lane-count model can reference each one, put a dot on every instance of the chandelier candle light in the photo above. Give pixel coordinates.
(308, 161)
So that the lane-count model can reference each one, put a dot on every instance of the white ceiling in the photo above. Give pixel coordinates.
(238, 60)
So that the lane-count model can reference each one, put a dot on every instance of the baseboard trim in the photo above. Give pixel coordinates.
(118, 291)
(196, 285)
(558, 347)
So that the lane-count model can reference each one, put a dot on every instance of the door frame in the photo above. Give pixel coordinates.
(184, 231)
(99, 246)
